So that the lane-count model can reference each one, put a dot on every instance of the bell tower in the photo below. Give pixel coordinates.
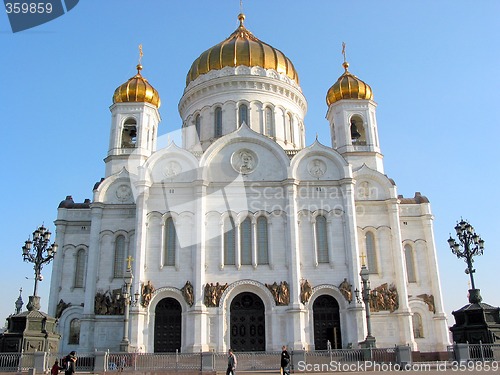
(353, 122)
(134, 123)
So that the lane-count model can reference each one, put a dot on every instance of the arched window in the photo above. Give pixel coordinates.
(119, 264)
(218, 122)
(229, 241)
(74, 332)
(290, 127)
(321, 240)
(358, 135)
(170, 242)
(246, 241)
(197, 125)
(129, 133)
(243, 114)
(418, 329)
(80, 268)
(371, 254)
(410, 265)
(269, 122)
(262, 241)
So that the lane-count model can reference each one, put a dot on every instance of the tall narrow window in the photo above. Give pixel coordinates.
(197, 125)
(119, 265)
(371, 254)
(243, 114)
(418, 329)
(358, 135)
(410, 264)
(290, 128)
(262, 241)
(170, 242)
(74, 332)
(246, 241)
(229, 241)
(321, 240)
(80, 268)
(218, 122)
(129, 133)
(269, 122)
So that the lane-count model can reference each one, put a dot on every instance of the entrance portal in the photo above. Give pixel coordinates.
(326, 317)
(168, 322)
(248, 324)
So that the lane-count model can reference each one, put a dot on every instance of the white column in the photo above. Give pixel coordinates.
(138, 339)
(222, 259)
(270, 241)
(315, 241)
(56, 278)
(356, 323)
(88, 319)
(329, 226)
(254, 243)
(440, 325)
(403, 312)
(237, 245)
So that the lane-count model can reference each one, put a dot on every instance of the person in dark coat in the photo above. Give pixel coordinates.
(70, 368)
(231, 363)
(285, 361)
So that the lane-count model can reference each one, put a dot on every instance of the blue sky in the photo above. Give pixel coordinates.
(432, 65)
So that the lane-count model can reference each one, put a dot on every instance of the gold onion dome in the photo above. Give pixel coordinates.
(137, 89)
(241, 48)
(348, 86)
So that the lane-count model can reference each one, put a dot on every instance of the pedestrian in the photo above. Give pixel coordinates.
(70, 365)
(231, 363)
(55, 368)
(285, 361)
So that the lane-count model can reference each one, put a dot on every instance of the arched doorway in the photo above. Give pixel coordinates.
(326, 317)
(248, 323)
(168, 323)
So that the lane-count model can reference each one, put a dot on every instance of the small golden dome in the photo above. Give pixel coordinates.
(137, 89)
(348, 86)
(241, 48)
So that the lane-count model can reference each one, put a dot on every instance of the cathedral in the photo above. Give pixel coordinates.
(244, 236)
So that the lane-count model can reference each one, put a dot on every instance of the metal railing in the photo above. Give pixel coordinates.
(16, 362)
(484, 352)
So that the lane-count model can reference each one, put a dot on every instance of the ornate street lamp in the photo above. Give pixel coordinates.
(365, 298)
(39, 252)
(127, 301)
(469, 246)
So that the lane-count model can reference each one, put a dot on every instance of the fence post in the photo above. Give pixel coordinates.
(101, 362)
(39, 362)
(461, 352)
(403, 356)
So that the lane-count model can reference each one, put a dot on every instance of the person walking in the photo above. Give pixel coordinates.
(285, 361)
(55, 368)
(70, 363)
(231, 363)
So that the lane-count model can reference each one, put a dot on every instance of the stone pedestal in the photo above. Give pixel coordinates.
(31, 331)
(476, 322)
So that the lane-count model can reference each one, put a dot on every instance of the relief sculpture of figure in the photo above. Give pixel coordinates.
(188, 293)
(305, 291)
(429, 300)
(346, 290)
(283, 294)
(147, 293)
(61, 306)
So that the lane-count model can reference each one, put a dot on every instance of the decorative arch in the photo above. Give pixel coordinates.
(357, 130)
(129, 133)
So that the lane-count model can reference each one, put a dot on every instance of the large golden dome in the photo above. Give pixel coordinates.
(137, 89)
(348, 86)
(241, 48)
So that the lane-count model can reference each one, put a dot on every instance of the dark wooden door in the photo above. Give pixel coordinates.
(248, 323)
(326, 317)
(168, 323)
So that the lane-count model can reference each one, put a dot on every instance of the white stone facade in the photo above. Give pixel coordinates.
(322, 207)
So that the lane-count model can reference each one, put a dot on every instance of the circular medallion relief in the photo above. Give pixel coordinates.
(123, 192)
(316, 168)
(172, 169)
(244, 161)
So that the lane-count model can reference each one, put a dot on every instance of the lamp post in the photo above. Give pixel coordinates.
(365, 297)
(39, 252)
(127, 301)
(469, 246)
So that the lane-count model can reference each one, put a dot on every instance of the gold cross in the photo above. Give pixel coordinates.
(140, 53)
(343, 50)
(363, 258)
(129, 262)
